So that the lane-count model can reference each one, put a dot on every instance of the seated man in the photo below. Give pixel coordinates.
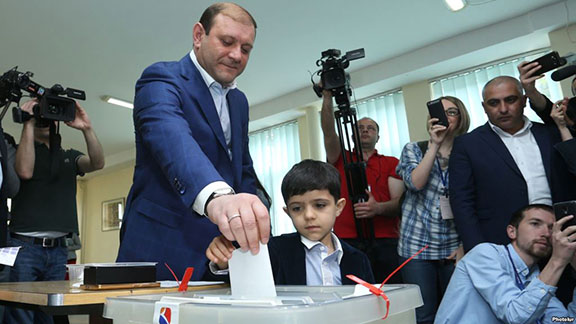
(502, 283)
(313, 255)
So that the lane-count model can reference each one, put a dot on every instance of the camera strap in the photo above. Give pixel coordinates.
(55, 149)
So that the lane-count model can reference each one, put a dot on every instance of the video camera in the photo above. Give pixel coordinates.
(333, 76)
(52, 106)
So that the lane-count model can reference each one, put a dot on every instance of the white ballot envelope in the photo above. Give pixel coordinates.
(251, 275)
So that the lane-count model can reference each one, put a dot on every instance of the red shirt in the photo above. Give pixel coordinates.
(378, 169)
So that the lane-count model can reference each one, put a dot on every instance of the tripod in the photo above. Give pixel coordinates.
(354, 167)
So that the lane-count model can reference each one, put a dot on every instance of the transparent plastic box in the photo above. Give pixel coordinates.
(300, 304)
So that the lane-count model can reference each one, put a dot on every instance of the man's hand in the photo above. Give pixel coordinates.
(241, 218)
(528, 80)
(28, 107)
(220, 251)
(557, 112)
(527, 77)
(367, 209)
(457, 254)
(81, 121)
(563, 247)
(563, 241)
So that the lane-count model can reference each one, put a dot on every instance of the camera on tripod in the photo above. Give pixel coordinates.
(52, 105)
(334, 76)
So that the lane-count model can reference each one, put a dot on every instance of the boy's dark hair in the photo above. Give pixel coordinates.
(518, 216)
(311, 175)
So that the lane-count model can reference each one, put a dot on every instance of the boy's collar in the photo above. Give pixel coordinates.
(309, 244)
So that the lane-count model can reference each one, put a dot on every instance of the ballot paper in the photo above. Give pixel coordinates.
(251, 275)
(8, 255)
(174, 284)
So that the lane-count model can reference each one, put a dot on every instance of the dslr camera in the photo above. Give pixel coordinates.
(52, 105)
(334, 76)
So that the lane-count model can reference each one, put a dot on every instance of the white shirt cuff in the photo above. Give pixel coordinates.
(200, 201)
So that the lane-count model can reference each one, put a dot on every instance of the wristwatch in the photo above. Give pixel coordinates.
(217, 193)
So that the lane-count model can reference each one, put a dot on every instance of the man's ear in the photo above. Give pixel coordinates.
(340, 206)
(524, 99)
(285, 209)
(198, 33)
(512, 232)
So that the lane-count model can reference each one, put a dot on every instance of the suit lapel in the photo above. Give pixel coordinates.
(297, 262)
(235, 110)
(496, 144)
(202, 95)
(541, 137)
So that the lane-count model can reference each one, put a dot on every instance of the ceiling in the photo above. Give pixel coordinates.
(103, 46)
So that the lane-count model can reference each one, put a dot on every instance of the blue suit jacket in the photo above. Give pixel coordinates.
(487, 187)
(180, 148)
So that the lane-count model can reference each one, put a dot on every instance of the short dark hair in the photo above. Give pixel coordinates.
(503, 79)
(311, 175)
(519, 215)
(223, 8)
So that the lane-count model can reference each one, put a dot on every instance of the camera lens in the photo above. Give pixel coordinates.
(53, 109)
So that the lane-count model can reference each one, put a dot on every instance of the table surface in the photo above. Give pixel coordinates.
(59, 293)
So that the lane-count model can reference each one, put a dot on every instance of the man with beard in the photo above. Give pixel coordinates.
(503, 284)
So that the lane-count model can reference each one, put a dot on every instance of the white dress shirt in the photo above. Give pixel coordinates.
(218, 93)
(526, 153)
(322, 269)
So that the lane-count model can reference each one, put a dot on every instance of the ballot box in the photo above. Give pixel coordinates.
(293, 304)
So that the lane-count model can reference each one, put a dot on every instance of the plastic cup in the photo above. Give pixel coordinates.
(75, 275)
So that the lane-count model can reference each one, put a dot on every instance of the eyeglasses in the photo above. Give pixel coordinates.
(452, 112)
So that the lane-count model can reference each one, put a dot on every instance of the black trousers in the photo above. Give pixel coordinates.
(383, 255)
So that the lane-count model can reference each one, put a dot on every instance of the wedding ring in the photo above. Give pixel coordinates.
(232, 217)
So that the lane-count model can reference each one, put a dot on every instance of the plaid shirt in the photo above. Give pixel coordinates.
(422, 221)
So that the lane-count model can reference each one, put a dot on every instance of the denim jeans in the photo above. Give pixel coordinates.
(35, 263)
(432, 276)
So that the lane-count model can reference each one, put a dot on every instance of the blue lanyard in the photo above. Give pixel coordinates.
(443, 178)
(519, 282)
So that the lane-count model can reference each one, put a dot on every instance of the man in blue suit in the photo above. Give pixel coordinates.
(502, 166)
(193, 177)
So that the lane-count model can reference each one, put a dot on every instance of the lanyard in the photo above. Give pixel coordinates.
(519, 282)
(443, 178)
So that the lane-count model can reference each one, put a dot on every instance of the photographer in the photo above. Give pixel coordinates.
(44, 210)
(562, 113)
(386, 188)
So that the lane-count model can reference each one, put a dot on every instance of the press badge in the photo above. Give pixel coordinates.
(445, 209)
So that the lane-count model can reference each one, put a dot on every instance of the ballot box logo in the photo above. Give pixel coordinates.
(165, 315)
